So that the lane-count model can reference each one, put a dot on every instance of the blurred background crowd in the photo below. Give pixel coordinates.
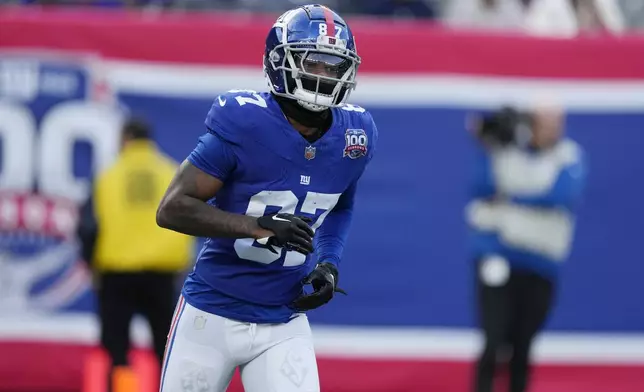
(543, 17)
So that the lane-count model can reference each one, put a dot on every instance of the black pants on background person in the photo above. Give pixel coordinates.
(511, 313)
(120, 296)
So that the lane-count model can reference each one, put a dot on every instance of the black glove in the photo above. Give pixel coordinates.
(324, 280)
(291, 232)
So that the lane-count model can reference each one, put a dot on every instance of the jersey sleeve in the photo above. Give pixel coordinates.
(233, 115)
(332, 235)
(218, 117)
(230, 119)
(372, 130)
(214, 156)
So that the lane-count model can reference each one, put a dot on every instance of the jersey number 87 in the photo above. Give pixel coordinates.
(288, 202)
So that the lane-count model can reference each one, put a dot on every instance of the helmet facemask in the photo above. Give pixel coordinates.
(318, 75)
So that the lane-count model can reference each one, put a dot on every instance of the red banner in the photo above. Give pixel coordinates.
(405, 47)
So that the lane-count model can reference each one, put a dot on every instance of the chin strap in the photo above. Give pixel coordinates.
(320, 120)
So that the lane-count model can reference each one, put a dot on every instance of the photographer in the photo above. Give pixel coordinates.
(528, 181)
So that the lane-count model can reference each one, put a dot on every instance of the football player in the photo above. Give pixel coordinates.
(271, 185)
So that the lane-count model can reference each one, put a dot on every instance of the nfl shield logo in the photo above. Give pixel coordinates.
(309, 152)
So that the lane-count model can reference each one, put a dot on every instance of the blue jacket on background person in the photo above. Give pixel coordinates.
(524, 201)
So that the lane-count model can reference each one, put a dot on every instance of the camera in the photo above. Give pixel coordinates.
(504, 127)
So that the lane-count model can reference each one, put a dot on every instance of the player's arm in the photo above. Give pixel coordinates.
(332, 235)
(184, 208)
(330, 240)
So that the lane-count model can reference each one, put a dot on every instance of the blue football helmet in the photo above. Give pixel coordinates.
(311, 57)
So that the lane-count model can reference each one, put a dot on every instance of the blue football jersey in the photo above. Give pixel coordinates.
(268, 166)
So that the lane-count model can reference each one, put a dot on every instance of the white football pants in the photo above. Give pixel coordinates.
(203, 351)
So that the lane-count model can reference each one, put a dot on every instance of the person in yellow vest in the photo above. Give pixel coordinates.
(135, 262)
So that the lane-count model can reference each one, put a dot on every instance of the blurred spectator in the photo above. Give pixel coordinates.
(553, 18)
(98, 3)
(273, 6)
(486, 14)
(600, 16)
(400, 8)
(135, 261)
(208, 4)
(527, 184)
(633, 13)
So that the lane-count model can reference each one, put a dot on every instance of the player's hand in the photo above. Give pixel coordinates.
(324, 280)
(289, 231)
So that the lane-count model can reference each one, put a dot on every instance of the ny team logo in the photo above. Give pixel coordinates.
(356, 143)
